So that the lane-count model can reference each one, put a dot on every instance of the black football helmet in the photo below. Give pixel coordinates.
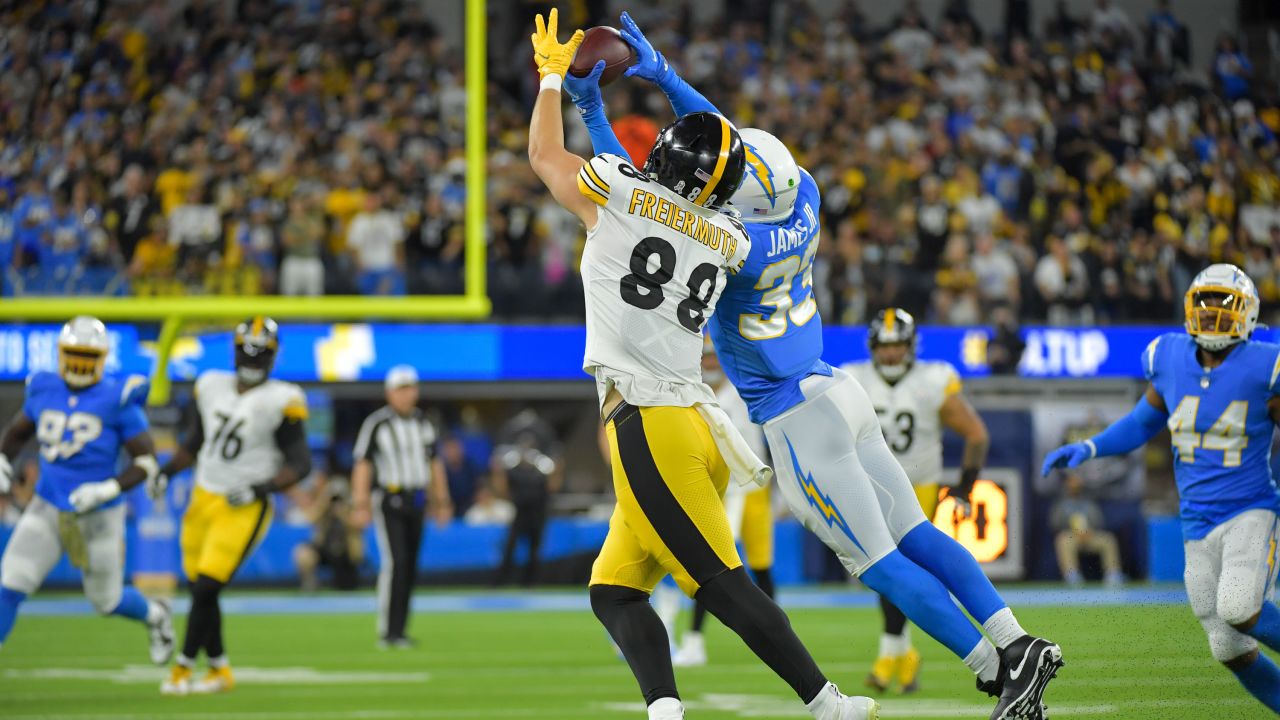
(699, 157)
(893, 326)
(257, 340)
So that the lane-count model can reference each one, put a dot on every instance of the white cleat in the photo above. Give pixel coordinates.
(692, 652)
(856, 707)
(161, 634)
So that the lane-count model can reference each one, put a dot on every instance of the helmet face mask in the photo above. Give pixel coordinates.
(699, 157)
(83, 347)
(1221, 307)
(256, 343)
(893, 343)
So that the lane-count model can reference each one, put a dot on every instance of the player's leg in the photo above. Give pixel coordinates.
(33, 550)
(894, 644)
(817, 448)
(622, 577)
(1032, 662)
(1237, 651)
(233, 533)
(409, 572)
(669, 478)
(103, 535)
(195, 529)
(1248, 576)
(693, 647)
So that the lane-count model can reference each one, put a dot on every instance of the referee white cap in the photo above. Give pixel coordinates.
(400, 376)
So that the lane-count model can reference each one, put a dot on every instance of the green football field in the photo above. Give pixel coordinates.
(1126, 662)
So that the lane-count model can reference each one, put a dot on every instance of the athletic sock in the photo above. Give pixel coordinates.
(924, 600)
(950, 562)
(1262, 680)
(9, 602)
(666, 708)
(154, 612)
(699, 617)
(186, 661)
(1003, 628)
(1267, 629)
(217, 662)
(746, 610)
(764, 580)
(635, 627)
(984, 661)
(132, 605)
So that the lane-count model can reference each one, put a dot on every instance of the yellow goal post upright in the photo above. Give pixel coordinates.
(175, 312)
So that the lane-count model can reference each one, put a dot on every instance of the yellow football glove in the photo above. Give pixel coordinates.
(551, 57)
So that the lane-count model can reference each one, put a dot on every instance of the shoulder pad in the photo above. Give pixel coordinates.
(134, 390)
(41, 380)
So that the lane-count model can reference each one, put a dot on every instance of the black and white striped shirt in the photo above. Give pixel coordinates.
(400, 448)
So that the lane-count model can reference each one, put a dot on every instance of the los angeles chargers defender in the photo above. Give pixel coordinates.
(81, 418)
(831, 457)
(1218, 392)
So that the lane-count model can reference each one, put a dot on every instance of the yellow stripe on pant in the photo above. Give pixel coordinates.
(216, 537)
(670, 480)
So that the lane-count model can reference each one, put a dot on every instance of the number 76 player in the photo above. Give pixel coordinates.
(1218, 392)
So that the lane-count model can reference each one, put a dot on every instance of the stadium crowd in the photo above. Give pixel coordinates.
(1078, 171)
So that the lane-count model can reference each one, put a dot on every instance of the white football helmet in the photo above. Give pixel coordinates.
(772, 180)
(1221, 307)
(82, 351)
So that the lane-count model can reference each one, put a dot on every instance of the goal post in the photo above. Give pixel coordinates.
(173, 313)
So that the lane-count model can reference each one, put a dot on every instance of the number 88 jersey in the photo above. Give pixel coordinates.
(652, 271)
(1219, 427)
(239, 446)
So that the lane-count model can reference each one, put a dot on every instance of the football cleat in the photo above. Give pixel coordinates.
(907, 672)
(161, 634)
(881, 674)
(692, 652)
(179, 682)
(854, 707)
(218, 680)
(1029, 664)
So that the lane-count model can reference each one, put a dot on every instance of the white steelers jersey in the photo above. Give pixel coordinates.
(239, 446)
(910, 413)
(653, 269)
(736, 408)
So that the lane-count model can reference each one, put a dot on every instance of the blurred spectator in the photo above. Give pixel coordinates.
(526, 468)
(489, 509)
(466, 476)
(1232, 70)
(1077, 522)
(195, 228)
(128, 215)
(376, 241)
(1004, 349)
(1063, 282)
(336, 542)
(302, 242)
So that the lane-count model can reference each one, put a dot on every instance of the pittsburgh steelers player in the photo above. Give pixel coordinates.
(914, 400)
(247, 440)
(81, 417)
(656, 259)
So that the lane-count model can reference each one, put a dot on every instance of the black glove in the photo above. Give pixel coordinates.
(964, 490)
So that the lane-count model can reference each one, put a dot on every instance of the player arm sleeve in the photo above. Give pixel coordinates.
(1129, 432)
(291, 438)
(604, 141)
(192, 441)
(684, 98)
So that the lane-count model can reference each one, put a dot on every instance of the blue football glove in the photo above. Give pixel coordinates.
(1067, 456)
(585, 91)
(650, 64)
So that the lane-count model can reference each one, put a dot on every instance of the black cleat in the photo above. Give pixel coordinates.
(1027, 666)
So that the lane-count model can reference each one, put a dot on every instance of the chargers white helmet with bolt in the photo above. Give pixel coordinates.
(82, 351)
(1221, 307)
(768, 192)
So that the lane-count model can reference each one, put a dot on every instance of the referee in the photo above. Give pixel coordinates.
(396, 466)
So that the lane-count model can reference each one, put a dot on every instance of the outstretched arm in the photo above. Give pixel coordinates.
(1123, 436)
(652, 66)
(585, 93)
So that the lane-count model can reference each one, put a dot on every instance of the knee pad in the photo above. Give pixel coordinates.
(20, 574)
(1226, 644)
(607, 600)
(1237, 607)
(104, 596)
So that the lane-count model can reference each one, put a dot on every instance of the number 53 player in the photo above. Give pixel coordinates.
(1218, 392)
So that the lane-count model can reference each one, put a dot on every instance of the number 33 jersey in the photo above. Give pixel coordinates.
(239, 447)
(1219, 427)
(910, 413)
(653, 269)
(81, 431)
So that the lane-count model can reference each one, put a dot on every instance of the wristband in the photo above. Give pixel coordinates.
(551, 81)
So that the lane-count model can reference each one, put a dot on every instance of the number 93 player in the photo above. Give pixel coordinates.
(657, 255)
(80, 418)
(247, 439)
(835, 470)
(1218, 393)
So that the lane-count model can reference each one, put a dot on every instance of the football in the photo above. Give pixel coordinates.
(603, 43)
